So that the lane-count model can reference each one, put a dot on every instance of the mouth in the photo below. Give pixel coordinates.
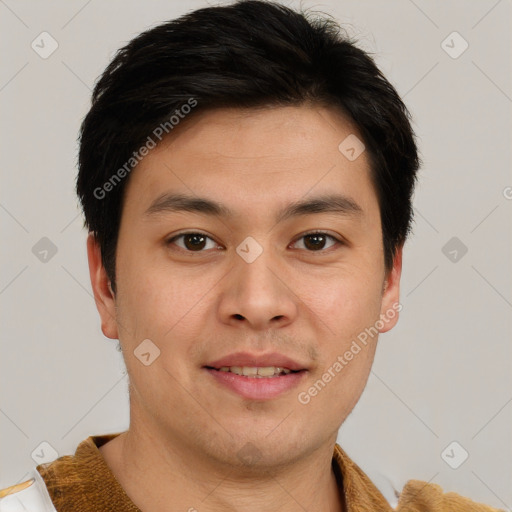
(254, 372)
(256, 377)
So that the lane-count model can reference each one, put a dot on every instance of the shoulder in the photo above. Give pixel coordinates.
(421, 496)
(52, 484)
(31, 495)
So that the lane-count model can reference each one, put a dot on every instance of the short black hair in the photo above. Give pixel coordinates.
(248, 54)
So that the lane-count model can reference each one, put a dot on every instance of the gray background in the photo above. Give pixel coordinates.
(442, 375)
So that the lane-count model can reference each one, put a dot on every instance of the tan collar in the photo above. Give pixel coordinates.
(361, 495)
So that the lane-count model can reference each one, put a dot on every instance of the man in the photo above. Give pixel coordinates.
(246, 176)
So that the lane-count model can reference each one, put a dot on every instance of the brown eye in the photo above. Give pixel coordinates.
(192, 242)
(316, 242)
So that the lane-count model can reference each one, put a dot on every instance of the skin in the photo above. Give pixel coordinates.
(186, 430)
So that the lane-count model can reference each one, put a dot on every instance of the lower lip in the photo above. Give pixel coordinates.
(254, 388)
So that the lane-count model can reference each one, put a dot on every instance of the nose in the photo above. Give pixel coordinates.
(257, 295)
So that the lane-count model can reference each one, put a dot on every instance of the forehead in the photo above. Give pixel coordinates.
(250, 158)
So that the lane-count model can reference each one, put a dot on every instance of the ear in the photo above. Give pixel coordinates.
(103, 294)
(390, 305)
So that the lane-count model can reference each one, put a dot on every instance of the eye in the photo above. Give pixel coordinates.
(197, 242)
(316, 241)
(193, 242)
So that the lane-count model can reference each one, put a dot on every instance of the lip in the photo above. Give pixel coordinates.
(261, 360)
(252, 388)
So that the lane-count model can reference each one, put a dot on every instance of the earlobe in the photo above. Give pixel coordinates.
(102, 289)
(390, 305)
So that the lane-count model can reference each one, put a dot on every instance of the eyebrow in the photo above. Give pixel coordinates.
(329, 203)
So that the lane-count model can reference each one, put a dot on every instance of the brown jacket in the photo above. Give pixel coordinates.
(84, 483)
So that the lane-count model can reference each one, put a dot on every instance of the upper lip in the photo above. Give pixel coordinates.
(257, 360)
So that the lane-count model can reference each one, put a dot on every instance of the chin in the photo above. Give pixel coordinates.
(258, 451)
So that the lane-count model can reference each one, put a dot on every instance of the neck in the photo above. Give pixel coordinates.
(155, 471)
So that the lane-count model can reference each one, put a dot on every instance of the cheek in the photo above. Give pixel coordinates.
(159, 306)
(167, 307)
(153, 297)
(351, 309)
(344, 303)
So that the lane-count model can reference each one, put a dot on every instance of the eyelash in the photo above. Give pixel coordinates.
(180, 235)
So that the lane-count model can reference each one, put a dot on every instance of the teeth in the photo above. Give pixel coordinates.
(268, 371)
(256, 372)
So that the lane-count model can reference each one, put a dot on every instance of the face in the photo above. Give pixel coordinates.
(240, 275)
